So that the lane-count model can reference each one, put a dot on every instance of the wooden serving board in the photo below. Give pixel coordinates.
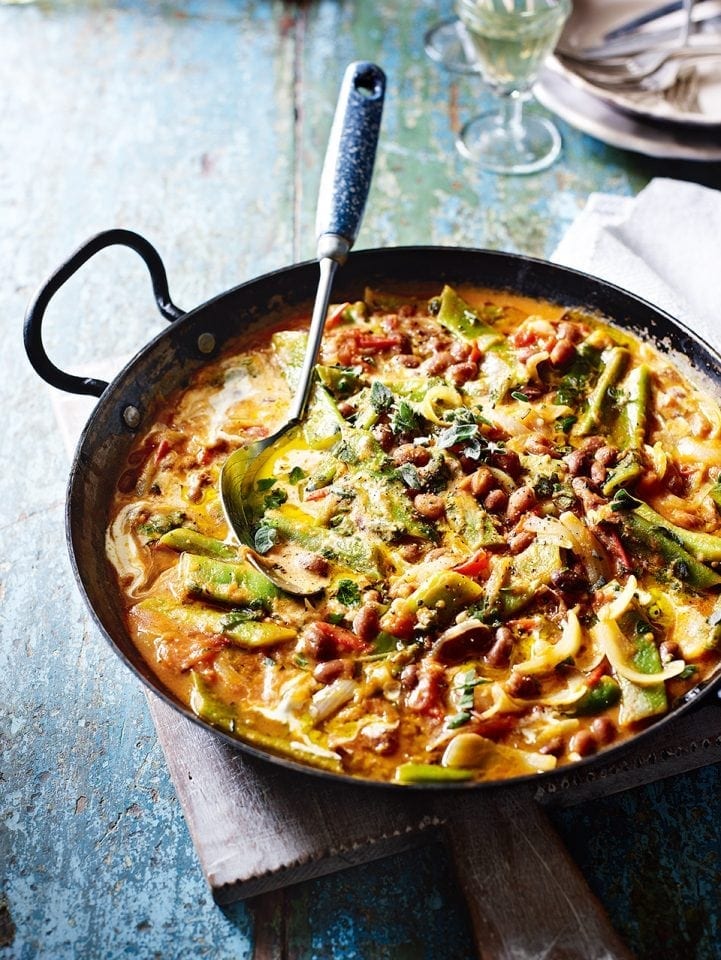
(258, 827)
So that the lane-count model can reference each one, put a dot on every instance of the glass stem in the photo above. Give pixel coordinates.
(511, 115)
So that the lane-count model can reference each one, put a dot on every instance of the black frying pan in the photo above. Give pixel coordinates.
(168, 360)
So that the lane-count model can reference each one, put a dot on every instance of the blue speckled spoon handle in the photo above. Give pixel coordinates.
(344, 185)
(349, 158)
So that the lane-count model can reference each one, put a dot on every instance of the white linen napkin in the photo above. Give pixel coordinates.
(664, 246)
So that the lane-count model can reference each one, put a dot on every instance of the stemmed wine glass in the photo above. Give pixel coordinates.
(447, 43)
(511, 39)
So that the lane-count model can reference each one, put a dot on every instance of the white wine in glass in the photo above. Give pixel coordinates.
(511, 39)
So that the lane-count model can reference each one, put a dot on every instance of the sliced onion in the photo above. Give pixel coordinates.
(618, 606)
(124, 549)
(442, 393)
(551, 729)
(695, 451)
(499, 572)
(294, 699)
(505, 479)
(502, 703)
(659, 458)
(549, 530)
(563, 698)
(609, 634)
(511, 425)
(568, 645)
(534, 362)
(330, 699)
(472, 750)
(585, 546)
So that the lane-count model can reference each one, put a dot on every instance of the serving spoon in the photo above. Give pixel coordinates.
(344, 185)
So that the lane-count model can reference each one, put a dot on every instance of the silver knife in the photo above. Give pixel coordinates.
(630, 26)
(624, 46)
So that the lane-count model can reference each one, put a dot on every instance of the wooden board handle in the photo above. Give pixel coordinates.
(525, 896)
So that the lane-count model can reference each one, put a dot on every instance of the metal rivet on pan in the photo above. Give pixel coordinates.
(131, 417)
(206, 343)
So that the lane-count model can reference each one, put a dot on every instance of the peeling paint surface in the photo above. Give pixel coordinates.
(202, 124)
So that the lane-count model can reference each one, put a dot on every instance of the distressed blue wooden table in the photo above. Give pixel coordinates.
(202, 125)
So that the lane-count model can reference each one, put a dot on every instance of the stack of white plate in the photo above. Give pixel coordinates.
(653, 124)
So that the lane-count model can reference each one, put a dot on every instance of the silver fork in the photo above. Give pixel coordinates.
(683, 94)
(644, 72)
(623, 70)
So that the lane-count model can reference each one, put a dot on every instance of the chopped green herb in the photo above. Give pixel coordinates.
(435, 476)
(464, 683)
(623, 500)
(275, 499)
(385, 643)
(265, 483)
(688, 671)
(565, 423)
(409, 475)
(517, 395)
(300, 660)
(564, 501)
(465, 415)
(404, 419)
(336, 619)
(381, 397)
(574, 381)
(296, 475)
(348, 592)
(264, 538)
(543, 488)
(458, 720)
(240, 615)
(456, 434)
(344, 452)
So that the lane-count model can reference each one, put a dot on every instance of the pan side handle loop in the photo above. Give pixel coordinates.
(32, 333)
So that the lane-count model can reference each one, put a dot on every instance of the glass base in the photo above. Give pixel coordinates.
(527, 147)
(444, 43)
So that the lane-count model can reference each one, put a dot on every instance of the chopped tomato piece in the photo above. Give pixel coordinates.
(476, 566)
(399, 621)
(329, 637)
(163, 447)
(337, 316)
(316, 494)
(372, 341)
(191, 650)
